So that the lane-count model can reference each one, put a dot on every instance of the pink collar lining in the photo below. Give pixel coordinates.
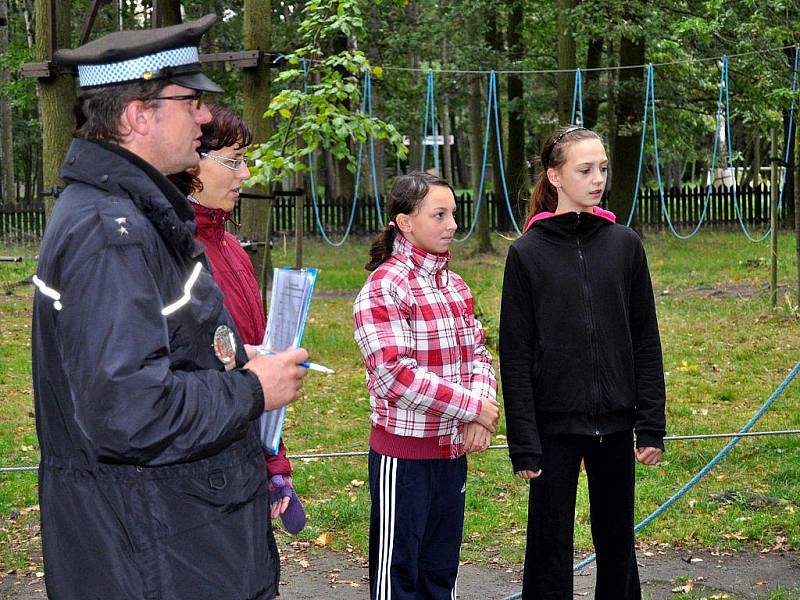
(596, 211)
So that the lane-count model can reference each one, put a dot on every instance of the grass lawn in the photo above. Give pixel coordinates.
(725, 352)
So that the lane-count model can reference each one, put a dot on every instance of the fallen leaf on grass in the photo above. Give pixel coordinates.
(324, 539)
(685, 588)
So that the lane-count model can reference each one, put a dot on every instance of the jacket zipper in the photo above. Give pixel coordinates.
(591, 329)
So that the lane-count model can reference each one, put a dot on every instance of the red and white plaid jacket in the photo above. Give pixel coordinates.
(427, 365)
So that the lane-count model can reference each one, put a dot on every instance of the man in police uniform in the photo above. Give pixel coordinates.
(152, 482)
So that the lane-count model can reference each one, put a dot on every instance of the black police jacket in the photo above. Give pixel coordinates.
(579, 346)
(152, 482)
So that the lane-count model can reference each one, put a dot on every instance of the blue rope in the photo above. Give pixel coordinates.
(577, 97)
(672, 229)
(479, 195)
(313, 185)
(641, 145)
(658, 169)
(704, 471)
(736, 203)
(375, 192)
(493, 90)
(435, 127)
(428, 97)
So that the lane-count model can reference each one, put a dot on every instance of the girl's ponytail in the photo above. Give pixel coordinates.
(382, 247)
(544, 197)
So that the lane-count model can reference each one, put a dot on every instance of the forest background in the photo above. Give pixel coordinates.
(397, 42)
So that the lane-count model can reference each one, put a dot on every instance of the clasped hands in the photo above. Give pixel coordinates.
(478, 433)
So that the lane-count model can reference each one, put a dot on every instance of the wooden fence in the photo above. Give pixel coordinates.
(21, 226)
(685, 206)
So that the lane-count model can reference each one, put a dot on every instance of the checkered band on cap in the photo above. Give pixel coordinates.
(135, 68)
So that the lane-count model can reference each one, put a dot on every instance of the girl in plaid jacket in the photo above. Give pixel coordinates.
(432, 393)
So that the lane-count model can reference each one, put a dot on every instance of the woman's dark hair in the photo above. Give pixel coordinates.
(407, 193)
(98, 110)
(554, 153)
(225, 128)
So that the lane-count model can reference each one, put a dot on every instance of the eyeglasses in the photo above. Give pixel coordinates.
(234, 164)
(196, 98)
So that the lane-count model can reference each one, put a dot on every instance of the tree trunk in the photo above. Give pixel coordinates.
(788, 191)
(756, 160)
(459, 164)
(518, 182)
(8, 189)
(476, 159)
(56, 95)
(28, 26)
(447, 154)
(166, 13)
(256, 88)
(566, 60)
(611, 107)
(591, 83)
(331, 186)
(630, 98)
(30, 164)
(344, 178)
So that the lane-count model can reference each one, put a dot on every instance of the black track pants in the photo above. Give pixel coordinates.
(609, 462)
(416, 522)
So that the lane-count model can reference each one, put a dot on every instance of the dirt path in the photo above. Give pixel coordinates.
(311, 573)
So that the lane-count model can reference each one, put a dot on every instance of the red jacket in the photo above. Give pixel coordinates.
(236, 277)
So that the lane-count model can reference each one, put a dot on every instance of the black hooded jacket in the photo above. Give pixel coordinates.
(579, 346)
(152, 482)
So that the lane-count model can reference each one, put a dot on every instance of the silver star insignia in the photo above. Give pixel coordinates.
(120, 220)
(122, 230)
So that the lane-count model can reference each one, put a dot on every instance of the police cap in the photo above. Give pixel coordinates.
(147, 54)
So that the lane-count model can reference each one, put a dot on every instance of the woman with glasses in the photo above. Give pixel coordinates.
(213, 188)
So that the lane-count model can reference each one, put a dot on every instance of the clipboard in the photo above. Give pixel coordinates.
(290, 300)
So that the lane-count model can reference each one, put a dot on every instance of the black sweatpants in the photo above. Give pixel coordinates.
(609, 462)
(415, 528)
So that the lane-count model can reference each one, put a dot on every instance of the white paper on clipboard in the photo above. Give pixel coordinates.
(288, 308)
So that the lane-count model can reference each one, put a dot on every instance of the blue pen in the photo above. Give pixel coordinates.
(306, 364)
(315, 367)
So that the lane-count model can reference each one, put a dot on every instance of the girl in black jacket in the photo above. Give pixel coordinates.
(581, 365)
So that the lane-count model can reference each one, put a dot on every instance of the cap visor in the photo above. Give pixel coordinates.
(196, 81)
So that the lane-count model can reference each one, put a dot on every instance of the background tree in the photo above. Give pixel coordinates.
(314, 107)
(56, 94)
(256, 84)
(8, 190)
